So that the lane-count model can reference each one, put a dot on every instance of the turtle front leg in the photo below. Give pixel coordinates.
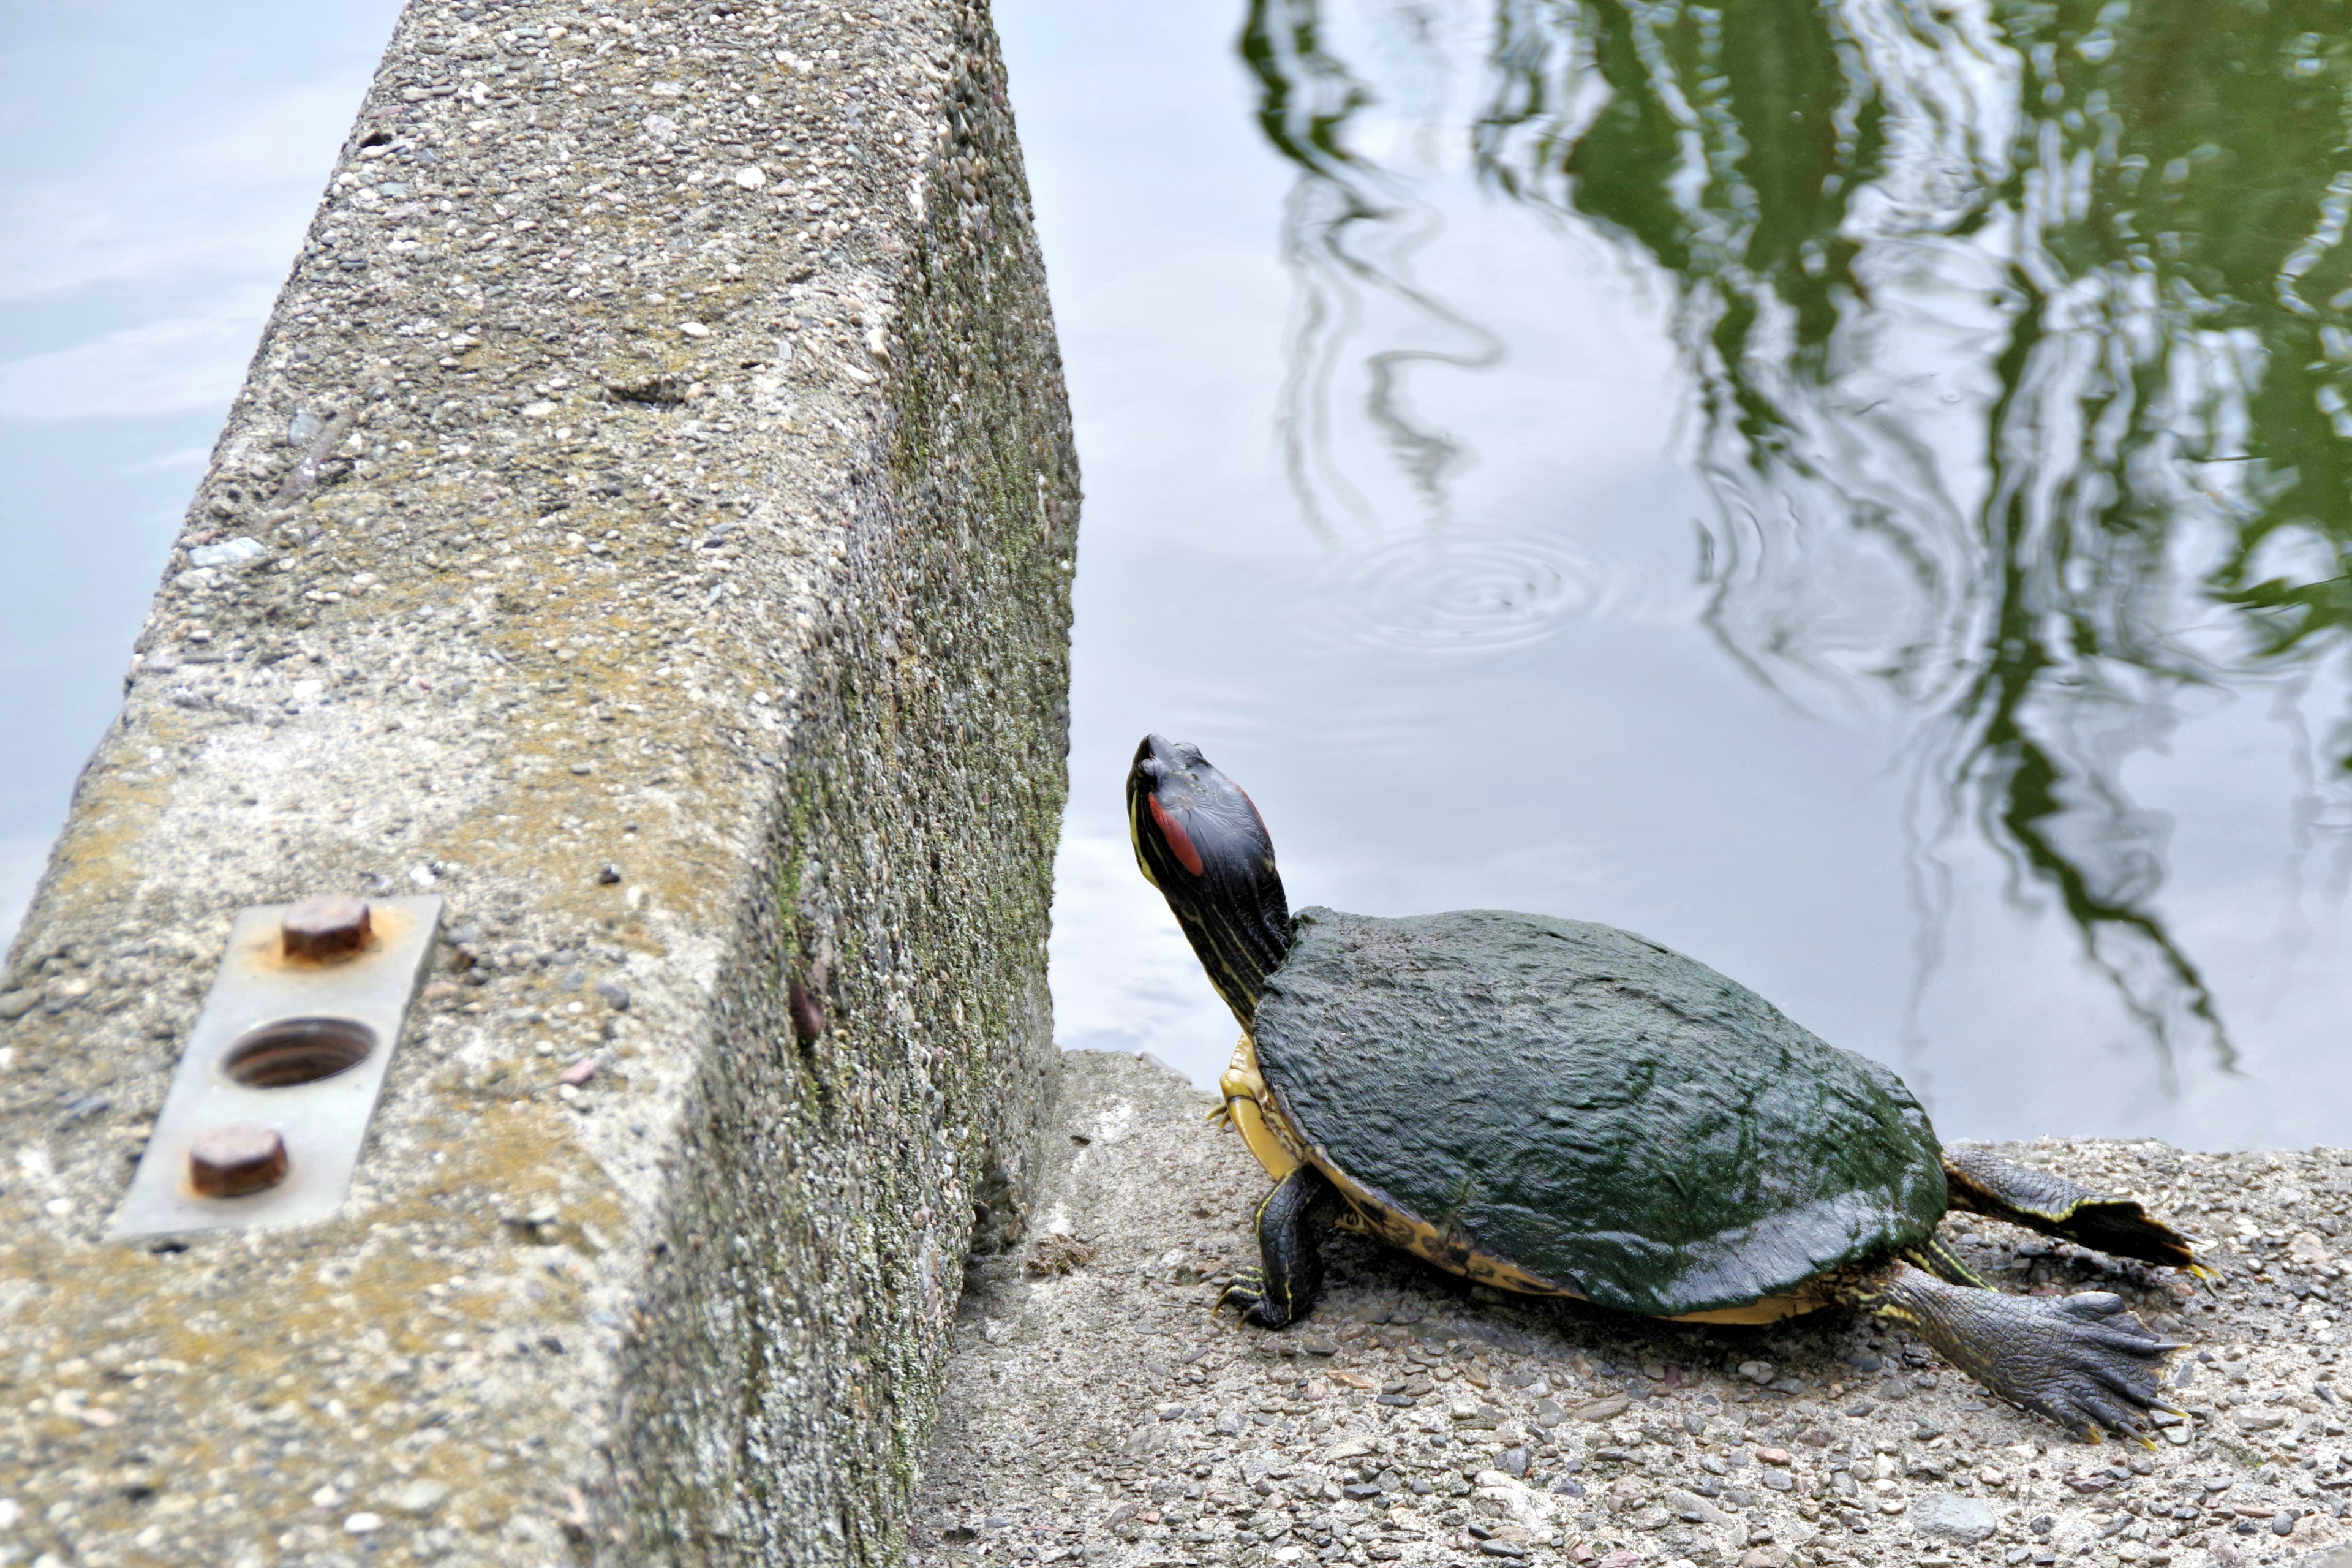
(1292, 1221)
(2050, 1204)
(2081, 1361)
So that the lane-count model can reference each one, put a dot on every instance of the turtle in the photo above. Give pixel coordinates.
(1563, 1109)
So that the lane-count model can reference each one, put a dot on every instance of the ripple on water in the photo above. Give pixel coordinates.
(1462, 590)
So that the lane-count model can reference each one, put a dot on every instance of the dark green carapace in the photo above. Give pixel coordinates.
(1597, 1109)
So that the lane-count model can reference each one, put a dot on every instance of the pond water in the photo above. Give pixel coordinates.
(162, 165)
(1856, 493)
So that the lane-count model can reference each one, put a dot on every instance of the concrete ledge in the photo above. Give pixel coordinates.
(647, 524)
(1098, 1412)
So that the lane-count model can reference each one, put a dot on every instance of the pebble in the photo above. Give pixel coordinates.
(1951, 1517)
(615, 995)
(693, 328)
(362, 1523)
(228, 553)
(417, 1498)
(14, 1004)
(751, 177)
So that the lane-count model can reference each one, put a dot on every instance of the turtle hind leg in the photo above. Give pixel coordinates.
(2042, 1200)
(1292, 1221)
(2081, 1361)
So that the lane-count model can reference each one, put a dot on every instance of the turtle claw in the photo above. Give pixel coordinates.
(2082, 1362)
(1248, 1290)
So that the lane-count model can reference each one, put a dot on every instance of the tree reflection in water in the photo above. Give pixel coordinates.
(2021, 331)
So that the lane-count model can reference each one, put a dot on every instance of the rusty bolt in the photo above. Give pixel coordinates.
(325, 926)
(230, 1161)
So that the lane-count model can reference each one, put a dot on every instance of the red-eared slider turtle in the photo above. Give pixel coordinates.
(1565, 1109)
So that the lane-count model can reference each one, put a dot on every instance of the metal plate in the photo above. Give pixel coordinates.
(324, 1122)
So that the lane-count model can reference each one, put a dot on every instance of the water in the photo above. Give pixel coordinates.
(163, 162)
(1858, 494)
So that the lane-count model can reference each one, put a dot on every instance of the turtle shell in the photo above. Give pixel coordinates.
(1589, 1108)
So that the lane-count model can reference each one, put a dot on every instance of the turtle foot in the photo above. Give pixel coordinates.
(1248, 1291)
(1291, 1223)
(2081, 1361)
(2049, 1203)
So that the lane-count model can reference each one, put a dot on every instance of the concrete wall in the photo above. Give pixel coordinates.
(665, 506)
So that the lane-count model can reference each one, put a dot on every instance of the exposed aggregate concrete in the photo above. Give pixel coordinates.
(647, 524)
(1099, 1412)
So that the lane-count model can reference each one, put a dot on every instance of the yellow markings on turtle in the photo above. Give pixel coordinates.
(1252, 1108)
(1771, 1309)
(1135, 836)
(1932, 1257)
(1245, 1109)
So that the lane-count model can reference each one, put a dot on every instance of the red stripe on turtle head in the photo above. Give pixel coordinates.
(1172, 832)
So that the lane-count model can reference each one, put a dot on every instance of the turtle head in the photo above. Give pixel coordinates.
(1203, 844)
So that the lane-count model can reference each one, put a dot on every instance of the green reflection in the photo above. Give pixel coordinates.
(2026, 322)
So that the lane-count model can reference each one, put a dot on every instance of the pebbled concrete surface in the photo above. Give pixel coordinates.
(1097, 1412)
(646, 524)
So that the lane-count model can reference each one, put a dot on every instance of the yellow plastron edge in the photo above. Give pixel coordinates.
(1244, 1092)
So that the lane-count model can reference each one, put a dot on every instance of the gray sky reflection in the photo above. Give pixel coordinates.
(163, 162)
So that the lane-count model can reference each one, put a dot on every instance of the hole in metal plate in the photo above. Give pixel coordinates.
(297, 1051)
(293, 1043)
